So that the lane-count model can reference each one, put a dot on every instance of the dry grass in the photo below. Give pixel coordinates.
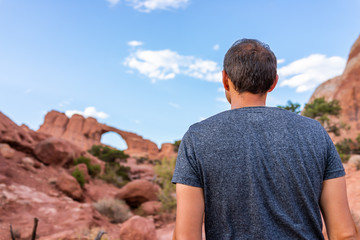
(116, 210)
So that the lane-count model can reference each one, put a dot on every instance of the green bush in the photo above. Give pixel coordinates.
(321, 110)
(93, 169)
(164, 172)
(141, 160)
(347, 147)
(107, 154)
(176, 145)
(292, 107)
(79, 176)
(116, 210)
(116, 174)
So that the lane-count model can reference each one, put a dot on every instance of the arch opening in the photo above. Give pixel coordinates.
(114, 140)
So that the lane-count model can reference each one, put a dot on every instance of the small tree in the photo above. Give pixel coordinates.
(321, 110)
(292, 107)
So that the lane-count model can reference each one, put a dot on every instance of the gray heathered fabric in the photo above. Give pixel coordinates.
(262, 171)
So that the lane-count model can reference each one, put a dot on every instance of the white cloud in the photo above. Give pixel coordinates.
(65, 102)
(280, 61)
(222, 99)
(166, 64)
(307, 73)
(221, 89)
(150, 5)
(88, 112)
(174, 105)
(216, 47)
(135, 43)
(137, 121)
(113, 2)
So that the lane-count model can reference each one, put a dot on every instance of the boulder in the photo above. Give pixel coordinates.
(56, 151)
(27, 161)
(28, 164)
(151, 207)
(6, 150)
(138, 228)
(69, 185)
(137, 192)
(15, 136)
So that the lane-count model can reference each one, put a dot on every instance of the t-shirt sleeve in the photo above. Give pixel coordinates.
(187, 169)
(334, 167)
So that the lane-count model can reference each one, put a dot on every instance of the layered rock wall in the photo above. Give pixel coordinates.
(345, 89)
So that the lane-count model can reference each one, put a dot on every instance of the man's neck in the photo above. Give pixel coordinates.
(247, 99)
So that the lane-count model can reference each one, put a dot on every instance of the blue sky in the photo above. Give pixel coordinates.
(152, 66)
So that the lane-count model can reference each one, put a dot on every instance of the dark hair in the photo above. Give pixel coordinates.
(251, 66)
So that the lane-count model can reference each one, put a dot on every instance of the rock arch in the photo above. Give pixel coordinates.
(86, 132)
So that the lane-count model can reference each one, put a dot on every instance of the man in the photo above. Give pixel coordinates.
(258, 172)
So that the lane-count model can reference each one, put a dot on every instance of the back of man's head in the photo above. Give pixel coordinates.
(251, 66)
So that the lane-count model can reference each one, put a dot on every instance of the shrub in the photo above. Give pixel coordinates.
(93, 169)
(107, 154)
(164, 172)
(116, 174)
(176, 145)
(141, 160)
(116, 210)
(79, 176)
(347, 147)
(321, 110)
(292, 107)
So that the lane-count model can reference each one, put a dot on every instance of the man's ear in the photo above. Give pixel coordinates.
(225, 80)
(274, 84)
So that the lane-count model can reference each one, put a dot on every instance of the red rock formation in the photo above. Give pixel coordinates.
(345, 89)
(14, 135)
(86, 132)
(68, 185)
(56, 151)
(167, 151)
(151, 207)
(137, 192)
(138, 228)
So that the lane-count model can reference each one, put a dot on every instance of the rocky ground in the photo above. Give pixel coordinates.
(36, 182)
(29, 189)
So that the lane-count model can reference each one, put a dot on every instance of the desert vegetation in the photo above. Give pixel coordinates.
(164, 171)
(348, 147)
(327, 113)
(114, 172)
(116, 210)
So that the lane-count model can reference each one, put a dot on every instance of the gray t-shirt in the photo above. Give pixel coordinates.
(262, 170)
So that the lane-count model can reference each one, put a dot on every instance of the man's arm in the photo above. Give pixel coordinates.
(189, 213)
(335, 209)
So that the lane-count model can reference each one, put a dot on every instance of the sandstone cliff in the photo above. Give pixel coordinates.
(345, 89)
(86, 132)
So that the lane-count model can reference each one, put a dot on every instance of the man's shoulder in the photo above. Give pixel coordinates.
(210, 122)
(267, 113)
